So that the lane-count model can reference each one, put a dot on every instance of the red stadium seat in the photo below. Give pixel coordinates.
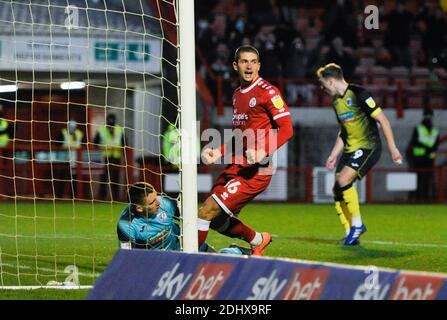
(362, 72)
(414, 96)
(365, 52)
(441, 72)
(420, 72)
(367, 61)
(420, 76)
(379, 76)
(400, 74)
(436, 101)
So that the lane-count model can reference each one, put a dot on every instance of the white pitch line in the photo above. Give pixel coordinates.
(407, 244)
(62, 236)
(44, 287)
(386, 243)
(90, 275)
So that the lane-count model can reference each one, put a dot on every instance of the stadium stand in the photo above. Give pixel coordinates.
(379, 59)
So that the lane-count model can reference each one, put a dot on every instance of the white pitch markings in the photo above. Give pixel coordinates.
(386, 243)
(90, 275)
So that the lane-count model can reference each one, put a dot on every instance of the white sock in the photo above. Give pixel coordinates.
(357, 221)
(203, 225)
(257, 240)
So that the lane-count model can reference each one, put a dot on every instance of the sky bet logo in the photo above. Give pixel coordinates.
(404, 287)
(204, 284)
(304, 284)
(416, 287)
(207, 281)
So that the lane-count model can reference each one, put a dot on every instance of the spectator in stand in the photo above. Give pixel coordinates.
(342, 56)
(317, 57)
(265, 41)
(297, 57)
(71, 139)
(421, 153)
(289, 9)
(220, 68)
(6, 130)
(263, 12)
(220, 63)
(110, 138)
(6, 134)
(383, 56)
(433, 26)
(397, 37)
(339, 21)
(212, 35)
(237, 28)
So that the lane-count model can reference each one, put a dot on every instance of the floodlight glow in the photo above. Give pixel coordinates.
(72, 85)
(8, 88)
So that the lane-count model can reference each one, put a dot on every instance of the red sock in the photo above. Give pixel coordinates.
(202, 237)
(237, 229)
(203, 226)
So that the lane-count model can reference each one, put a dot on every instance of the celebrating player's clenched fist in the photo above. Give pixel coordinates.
(255, 156)
(210, 155)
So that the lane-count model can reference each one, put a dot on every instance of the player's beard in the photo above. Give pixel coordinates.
(247, 80)
(148, 212)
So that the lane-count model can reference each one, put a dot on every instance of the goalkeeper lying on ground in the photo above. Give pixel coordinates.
(150, 221)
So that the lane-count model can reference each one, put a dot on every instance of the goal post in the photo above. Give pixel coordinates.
(188, 124)
(79, 62)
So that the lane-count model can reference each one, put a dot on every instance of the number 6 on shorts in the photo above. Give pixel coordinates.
(232, 186)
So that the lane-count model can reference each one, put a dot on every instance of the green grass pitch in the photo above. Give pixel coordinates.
(410, 237)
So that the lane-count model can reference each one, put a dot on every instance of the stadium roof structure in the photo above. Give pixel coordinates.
(96, 18)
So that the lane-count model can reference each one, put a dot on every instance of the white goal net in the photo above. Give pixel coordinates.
(68, 71)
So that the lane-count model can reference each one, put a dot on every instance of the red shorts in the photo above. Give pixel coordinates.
(237, 186)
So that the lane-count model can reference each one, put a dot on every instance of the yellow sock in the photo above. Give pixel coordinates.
(341, 215)
(351, 198)
(348, 214)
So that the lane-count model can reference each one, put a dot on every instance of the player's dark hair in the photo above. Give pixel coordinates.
(331, 70)
(138, 191)
(245, 48)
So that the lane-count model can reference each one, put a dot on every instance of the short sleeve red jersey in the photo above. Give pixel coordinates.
(258, 107)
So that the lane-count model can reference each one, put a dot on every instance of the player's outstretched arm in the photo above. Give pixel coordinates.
(388, 132)
(332, 159)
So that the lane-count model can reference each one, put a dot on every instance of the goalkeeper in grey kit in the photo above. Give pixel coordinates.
(151, 221)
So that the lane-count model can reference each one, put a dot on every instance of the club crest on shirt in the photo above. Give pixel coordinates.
(277, 102)
(370, 102)
(163, 215)
(349, 101)
(252, 102)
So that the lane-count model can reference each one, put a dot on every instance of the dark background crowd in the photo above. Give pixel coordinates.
(295, 37)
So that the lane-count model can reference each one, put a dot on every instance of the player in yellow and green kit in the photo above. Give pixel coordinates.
(357, 114)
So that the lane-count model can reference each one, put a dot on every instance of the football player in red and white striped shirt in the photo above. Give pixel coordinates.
(261, 115)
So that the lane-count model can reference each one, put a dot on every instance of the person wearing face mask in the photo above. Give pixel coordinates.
(110, 138)
(421, 153)
(71, 139)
